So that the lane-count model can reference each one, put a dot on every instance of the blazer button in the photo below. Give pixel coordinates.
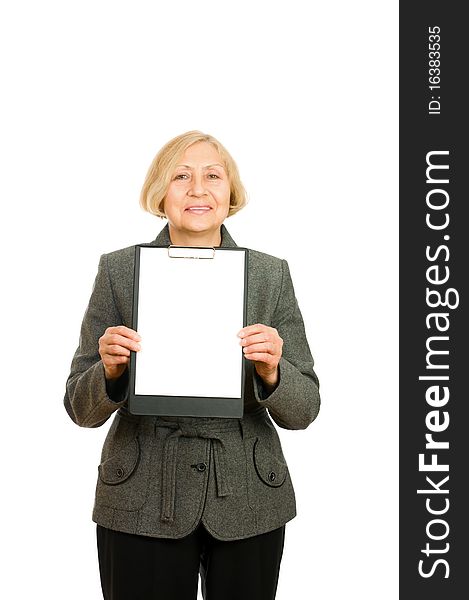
(272, 476)
(201, 467)
(120, 472)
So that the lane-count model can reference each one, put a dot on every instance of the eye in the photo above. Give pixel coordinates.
(213, 176)
(181, 176)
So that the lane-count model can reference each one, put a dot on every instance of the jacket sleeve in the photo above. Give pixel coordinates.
(295, 402)
(89, 398)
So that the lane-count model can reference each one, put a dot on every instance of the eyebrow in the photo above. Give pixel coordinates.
(206, 167)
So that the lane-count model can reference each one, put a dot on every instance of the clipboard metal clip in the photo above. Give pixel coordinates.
(191, 252)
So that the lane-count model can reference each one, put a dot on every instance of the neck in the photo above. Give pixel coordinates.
(194, 238)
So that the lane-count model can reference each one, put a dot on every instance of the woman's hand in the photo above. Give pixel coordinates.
(114, 348)
(263, 345)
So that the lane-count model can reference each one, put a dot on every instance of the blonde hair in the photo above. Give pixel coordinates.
(164, 164)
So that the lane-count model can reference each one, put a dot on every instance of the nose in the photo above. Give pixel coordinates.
(197, 187)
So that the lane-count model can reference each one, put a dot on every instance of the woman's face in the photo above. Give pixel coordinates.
(198, 196)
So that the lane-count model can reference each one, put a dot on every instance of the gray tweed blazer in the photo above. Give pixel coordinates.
(161, 476)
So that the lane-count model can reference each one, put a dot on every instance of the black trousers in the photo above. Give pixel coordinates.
(135, 567)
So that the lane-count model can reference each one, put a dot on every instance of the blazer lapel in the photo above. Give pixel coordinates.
(163, 238)
(226, 240)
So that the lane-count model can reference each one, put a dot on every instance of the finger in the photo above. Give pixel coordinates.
(262, 357)
(111, 360)
(257, 338)
(114, 350)
(266, 347)
(124, 331)
(115, 339)
(251, 329)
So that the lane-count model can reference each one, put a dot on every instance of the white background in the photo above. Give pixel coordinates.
(304, 96)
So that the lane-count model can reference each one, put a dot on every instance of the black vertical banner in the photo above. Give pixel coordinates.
(434, 269)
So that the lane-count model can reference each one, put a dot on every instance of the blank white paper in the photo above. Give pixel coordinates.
(189, 312)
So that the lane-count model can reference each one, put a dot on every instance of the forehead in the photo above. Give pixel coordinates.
(201, 153)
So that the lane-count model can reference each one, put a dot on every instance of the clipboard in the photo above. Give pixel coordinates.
(188, 305)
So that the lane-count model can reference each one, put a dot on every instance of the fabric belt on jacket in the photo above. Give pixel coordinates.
(211, 431)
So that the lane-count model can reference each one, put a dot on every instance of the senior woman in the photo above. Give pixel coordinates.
(224, 519)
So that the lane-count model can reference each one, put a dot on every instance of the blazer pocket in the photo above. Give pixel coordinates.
(123, 477)
(269, 468)
(121, 466)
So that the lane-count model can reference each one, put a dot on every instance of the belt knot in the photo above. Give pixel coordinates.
(169, 460)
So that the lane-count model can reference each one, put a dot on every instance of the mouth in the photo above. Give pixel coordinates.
(198, 210)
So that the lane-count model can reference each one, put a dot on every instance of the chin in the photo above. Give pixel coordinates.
(200, 227)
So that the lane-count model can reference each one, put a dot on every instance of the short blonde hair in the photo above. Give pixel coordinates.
(164, 164)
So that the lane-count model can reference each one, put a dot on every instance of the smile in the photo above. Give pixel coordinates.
(198, 210)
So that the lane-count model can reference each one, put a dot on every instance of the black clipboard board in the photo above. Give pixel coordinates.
(188, 305)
